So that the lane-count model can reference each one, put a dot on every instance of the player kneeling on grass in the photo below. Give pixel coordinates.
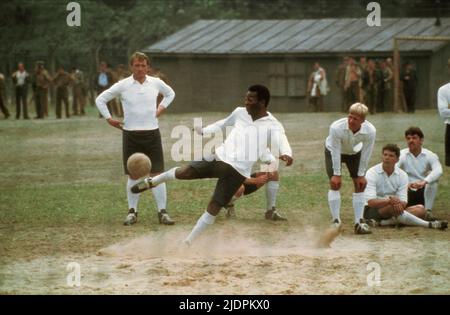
(252, 184)
(387, 195)
(248, 141)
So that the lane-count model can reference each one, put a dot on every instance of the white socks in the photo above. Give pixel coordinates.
(271, 193)
(358, 205)
(405, 218)
(430, 195)
(133, 199)
(164, 177)
(334, 201)
(390, 221)
(160, 194)
(205, 220)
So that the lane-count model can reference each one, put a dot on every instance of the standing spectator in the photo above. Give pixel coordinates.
(340, 83)
(362, 65)
(103, 81)
(409, 79)
(20, 79)
(62, 81)
(41, 84)
(371, 80)
(317, 87)
(3, 107)
(444, 111)
(78, 91)
(352, 77)
(387, 95)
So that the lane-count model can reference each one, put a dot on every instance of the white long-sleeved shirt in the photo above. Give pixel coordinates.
(381, 186)
(443, 97)
(249, 141)
(138, 101)
(20, 77)
(341, 140)
(425, 166)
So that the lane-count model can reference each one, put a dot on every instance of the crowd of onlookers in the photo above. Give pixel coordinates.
(369, 81)
(34, 87)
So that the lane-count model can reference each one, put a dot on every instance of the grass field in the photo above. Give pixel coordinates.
(63, 199)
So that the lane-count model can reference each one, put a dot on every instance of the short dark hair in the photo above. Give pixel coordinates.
(262, 92)
(411, 131)
(393, 148)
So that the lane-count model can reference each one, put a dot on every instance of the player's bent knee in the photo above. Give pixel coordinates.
(186, 172)
(420, 211)
(214, 207)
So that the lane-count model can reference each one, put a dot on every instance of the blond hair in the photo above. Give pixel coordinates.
(359, 109)
(139, 56)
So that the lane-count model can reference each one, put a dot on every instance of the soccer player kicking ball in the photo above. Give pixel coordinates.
(254, 132)
(350, 141)
(387, 195)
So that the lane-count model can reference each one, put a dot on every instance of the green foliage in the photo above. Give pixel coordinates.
(112, 29)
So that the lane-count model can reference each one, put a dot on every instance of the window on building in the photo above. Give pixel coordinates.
(287, 78)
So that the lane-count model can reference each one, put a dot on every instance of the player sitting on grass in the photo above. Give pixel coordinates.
(423, 169)
(387, 195)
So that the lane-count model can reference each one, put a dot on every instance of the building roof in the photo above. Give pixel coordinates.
(349, 35)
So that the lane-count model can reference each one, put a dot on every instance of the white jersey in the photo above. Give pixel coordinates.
(444, 102)
(341, 140)
(381, 186)
(425, 166)
(249, 141)
(138, 101)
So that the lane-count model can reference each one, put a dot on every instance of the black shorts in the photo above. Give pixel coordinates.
(147, 142)
(352, 162)
(229, 179)
(416, 197)
(372, 213)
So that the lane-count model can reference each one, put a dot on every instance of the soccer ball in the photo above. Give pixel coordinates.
(139, 165)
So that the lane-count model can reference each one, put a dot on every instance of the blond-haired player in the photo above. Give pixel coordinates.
(350, 141)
